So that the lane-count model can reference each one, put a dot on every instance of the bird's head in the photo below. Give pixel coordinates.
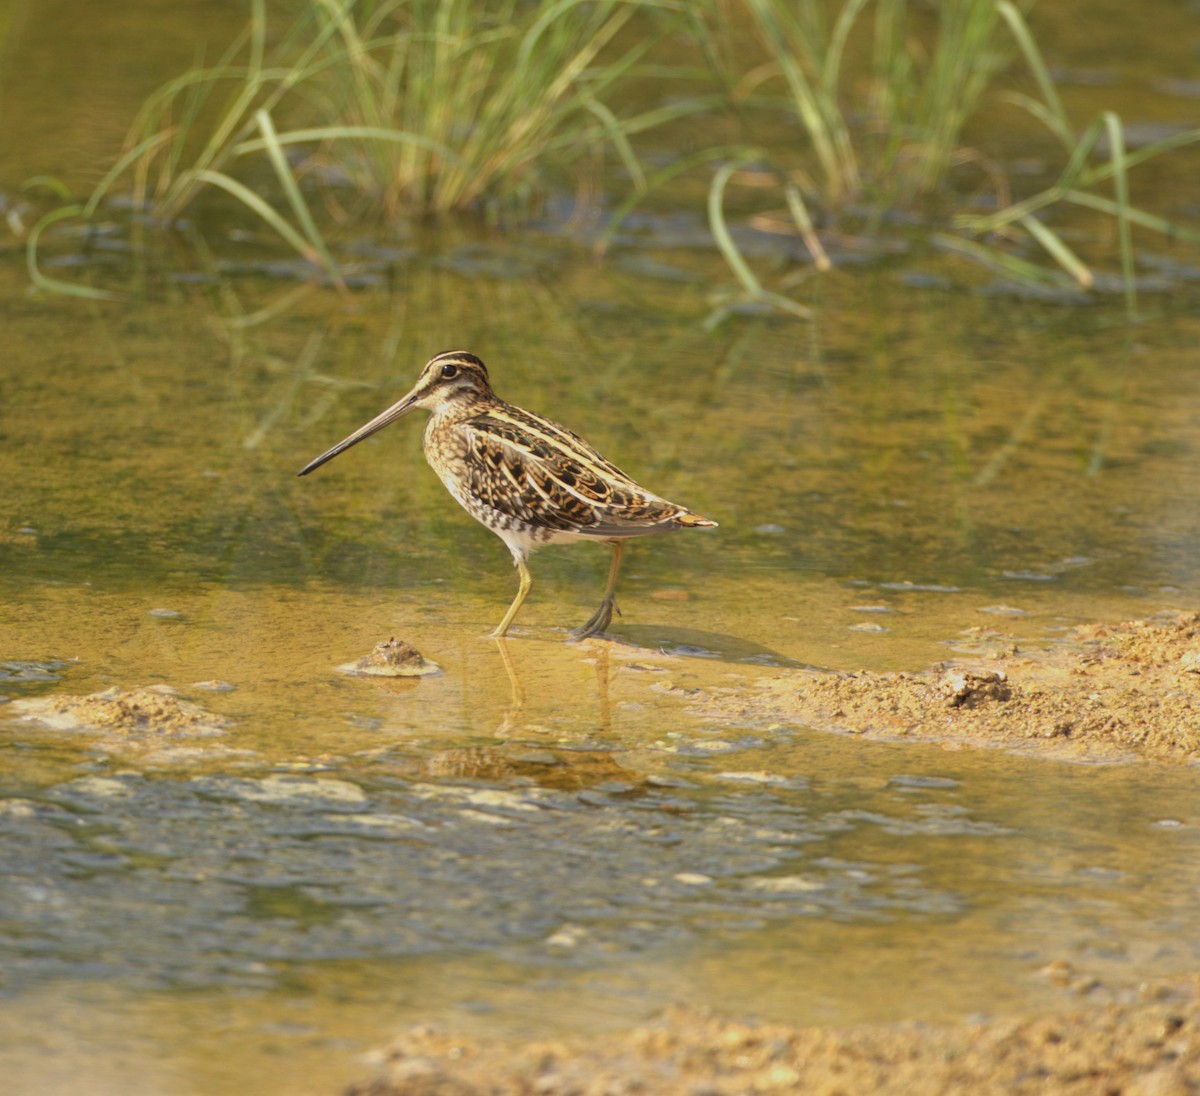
(449, 380)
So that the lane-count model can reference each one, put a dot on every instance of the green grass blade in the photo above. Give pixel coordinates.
(57, 285)
(291, 189)
(1116, 144)
(1133, 159)
(56, 186)
(1018, 269)
(847, 17)
(1056, 115)
(1035, 107)
(1059, 251)
(260, 206)
(620, 141)
(720, 230)
(146, 148)
(671, 112)
(1136, 216)
(258, 34)
(348, 133)
(800, 214)
(1079, 157)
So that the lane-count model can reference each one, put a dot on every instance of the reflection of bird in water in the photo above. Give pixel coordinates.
(517, 690)
(529, 480)
(513, 717)
(570, 770)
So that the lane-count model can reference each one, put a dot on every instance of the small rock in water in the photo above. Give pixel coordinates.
(392, 658)
(568, 936)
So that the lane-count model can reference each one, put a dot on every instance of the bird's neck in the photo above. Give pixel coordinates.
(463, 405)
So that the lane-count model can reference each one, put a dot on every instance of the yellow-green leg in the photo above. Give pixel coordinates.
(518, 601)
(602, 617)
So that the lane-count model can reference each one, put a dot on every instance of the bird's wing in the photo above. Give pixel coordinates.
(536, 471)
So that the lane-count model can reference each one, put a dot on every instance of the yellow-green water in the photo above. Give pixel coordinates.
(555, 842)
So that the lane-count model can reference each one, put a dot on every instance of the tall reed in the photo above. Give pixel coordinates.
(413, 106)
(880, 94)
(452, 104)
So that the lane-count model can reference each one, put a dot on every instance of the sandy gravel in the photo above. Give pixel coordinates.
(1108, 692)
(1147, 1048)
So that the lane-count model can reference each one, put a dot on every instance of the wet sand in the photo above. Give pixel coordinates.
(1127, 692)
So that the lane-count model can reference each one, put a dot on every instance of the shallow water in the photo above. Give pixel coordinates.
(546, 837)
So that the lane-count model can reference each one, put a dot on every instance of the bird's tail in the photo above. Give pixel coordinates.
(693, 521)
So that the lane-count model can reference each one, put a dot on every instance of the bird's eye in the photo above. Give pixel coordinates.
(449, 372)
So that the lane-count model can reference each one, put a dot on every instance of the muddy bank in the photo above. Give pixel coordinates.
(1148, 1047)
(1106, 692)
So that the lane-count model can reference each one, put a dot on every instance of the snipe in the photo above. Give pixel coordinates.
(529, 480)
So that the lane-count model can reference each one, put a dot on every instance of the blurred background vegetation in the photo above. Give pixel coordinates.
(843, 129)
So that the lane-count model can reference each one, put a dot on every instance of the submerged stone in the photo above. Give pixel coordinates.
(32, 671)
(392, 658)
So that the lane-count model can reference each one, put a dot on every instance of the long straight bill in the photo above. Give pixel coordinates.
(373, 427)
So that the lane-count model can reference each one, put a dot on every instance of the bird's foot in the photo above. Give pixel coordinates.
(598, 621)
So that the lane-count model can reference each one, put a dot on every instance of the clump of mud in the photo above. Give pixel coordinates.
(1109, 692)
(392, 658)
(125, 712)
(1149, 1047)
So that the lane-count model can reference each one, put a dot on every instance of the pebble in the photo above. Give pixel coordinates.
(566, 936)
(766, 779)
(786, 884)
